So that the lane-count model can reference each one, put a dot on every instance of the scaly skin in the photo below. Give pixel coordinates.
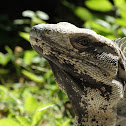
(89, 68)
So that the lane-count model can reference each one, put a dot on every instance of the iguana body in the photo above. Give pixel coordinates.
(90, 68)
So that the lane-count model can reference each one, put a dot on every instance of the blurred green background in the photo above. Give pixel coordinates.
(29, 95)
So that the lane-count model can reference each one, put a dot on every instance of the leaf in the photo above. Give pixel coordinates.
(23, 121)
(4, 59)
(36, 20)
(45, 107)
(42, 15)
(119, 3)
(3, 88)
(10, 53)
(123, 30)
(99, 5)
(123, 11)
(24, 35)
(3, 92)
(28, 56)
(66, 122)
(22, 21)
(103, 23)
(83, 13)
(37, 117)
(121, 22)
(97, 27)
(30, 102)
(9, 122)
(32, 76)
(110, 19)
(28, 13)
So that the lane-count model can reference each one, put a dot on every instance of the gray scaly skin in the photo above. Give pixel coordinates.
(89, 68)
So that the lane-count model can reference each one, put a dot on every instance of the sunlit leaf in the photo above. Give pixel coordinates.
(110, 19)
(46, 107)
(66, 123)
(28, 56)
(83, 13)
(123, 11)
(42, 15)
(36, 20)
(23, 121)
(39, 113)
(99, 5)
(28, 13)
(9, 122)
(3, 92)
(32, 76)
(103, 23)
(24, 35)
(121, 22)
(4, 59)
(3, 88)
(21, 21)
(119, 2)
(30, 102)
(123, 30)
(97, 27)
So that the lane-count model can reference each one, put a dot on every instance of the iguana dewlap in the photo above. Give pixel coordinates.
(89, 68)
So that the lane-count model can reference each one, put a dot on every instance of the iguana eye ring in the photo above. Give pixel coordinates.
(80, 42)
(83, 42)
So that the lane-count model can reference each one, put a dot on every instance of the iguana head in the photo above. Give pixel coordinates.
(67, 45)
(85, 66)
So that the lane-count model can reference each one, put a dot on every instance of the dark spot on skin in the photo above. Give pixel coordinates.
(93, 120)
(36, 40)
(104, 107)
(106, 118)
(105, 74)
(85, 71)
(92, 98)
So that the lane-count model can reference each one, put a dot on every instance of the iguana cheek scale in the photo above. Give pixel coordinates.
(89, 68)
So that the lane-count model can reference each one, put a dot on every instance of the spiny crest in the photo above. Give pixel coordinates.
(122, 44)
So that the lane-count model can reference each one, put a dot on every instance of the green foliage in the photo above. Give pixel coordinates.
(104, 24)
(83, 13)
(24, 35)
(9, 122)
(99, 5)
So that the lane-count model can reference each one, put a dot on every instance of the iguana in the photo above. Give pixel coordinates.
(89, 68)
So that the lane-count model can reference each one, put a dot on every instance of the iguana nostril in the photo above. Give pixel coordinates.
(48, 32)
(37, 40)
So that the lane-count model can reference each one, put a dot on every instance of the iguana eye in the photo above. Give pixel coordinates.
(80, 42)
(83, 41)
